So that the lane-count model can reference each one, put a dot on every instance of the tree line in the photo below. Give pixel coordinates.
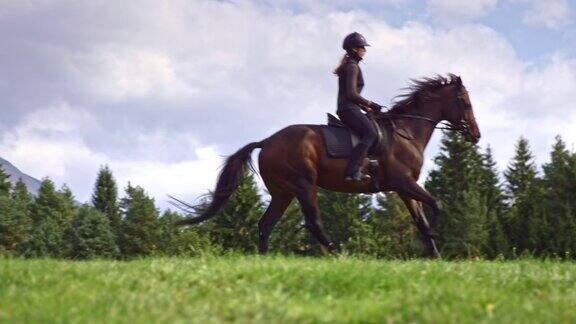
(485, 214)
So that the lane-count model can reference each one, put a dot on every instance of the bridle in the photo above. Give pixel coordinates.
(461, 104)
(461, 126)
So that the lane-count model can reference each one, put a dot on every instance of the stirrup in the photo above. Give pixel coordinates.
(358, 177)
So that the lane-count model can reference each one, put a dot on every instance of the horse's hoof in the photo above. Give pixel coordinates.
(332, 248)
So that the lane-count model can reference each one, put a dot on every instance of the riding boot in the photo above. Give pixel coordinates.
(357, 157)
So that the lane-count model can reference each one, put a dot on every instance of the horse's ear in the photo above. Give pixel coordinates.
(459, 81)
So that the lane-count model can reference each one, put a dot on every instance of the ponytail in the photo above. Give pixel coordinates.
(342, 61)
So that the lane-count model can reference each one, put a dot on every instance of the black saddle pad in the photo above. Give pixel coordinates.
(338, 141)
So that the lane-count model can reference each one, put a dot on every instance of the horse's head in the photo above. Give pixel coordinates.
(440, 99)
(457, 109)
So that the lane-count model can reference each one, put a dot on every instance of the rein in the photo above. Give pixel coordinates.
(443, 124)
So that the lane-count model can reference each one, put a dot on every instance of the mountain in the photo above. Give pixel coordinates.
(32, 184)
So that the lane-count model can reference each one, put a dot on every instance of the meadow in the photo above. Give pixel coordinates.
(286, 289)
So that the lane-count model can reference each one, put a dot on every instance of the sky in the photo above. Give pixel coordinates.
(161, 91)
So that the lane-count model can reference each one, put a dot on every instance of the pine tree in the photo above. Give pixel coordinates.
(559, 201)
(47, 240)
(15, 225)
(496, 243)
(105, 197)
(344, 217)
(167, 232)
(5, 184)
(124, 203)
(5, 212)
(139, 229)
(521, 172)
(66, 205)
(491, 186)
(456, 182)
(236, 226)
(494, 199)
(173, 240)
(51, 214)
(47, 203)
(524, 190)
(394, 233)
(90, 235)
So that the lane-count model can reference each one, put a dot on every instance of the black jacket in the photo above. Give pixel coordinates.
(350, 84)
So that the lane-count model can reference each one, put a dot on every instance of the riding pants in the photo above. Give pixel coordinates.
(360, 124)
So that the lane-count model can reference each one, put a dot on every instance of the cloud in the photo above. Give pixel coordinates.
(159, 91)
(551, 14)
(187, 179)
(49, 143)
(450, 11)
(119, 74)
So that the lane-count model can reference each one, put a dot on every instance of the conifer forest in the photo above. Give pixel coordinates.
(527, 210)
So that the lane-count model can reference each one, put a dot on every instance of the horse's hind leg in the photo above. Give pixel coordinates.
(308, 201)
(275, 210)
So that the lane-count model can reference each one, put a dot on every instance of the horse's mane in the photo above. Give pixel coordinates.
(422, 87)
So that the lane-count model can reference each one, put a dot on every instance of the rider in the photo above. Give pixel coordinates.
(350, 103)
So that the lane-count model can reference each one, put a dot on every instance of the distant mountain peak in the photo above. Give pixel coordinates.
(15, 174)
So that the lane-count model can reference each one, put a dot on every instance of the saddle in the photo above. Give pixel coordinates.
(340, 140)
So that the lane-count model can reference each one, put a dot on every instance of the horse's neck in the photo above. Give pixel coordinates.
(421, 129)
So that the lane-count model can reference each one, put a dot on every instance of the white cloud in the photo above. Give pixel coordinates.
(186, 180)
(115, 73)
(448, 11)
(550, 13)
(49, 143)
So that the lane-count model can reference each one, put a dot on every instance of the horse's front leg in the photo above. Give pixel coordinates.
(412, 195)
(415, 209)
(409, 188)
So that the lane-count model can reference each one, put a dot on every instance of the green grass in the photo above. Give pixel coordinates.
(286, 289)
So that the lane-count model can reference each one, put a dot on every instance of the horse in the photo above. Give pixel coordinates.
(293, 162)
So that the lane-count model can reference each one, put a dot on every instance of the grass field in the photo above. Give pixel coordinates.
(287, 289)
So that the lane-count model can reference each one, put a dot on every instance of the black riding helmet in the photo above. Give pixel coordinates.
(354, 40)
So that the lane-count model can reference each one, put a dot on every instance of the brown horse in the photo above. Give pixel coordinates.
(294, 162)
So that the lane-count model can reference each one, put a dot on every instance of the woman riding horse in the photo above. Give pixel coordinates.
(351, 103)
(294, 161)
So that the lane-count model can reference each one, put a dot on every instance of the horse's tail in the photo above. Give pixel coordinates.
(228, 180)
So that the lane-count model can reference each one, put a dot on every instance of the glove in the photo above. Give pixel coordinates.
(376, 107)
